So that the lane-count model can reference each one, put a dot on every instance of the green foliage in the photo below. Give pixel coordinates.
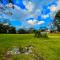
(7, 29)
(57, 20)
(25, 31)
(38, 34)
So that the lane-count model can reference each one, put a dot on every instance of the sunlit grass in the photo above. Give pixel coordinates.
(48, 48)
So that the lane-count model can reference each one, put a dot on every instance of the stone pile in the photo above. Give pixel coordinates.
(16, 50)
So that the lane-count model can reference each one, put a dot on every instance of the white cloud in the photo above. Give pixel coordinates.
(41, 22)
(45, 16)
(32, 22)
(53, 8)
(17, 7)
(29, 5)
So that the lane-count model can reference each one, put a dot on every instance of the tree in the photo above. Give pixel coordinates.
(57, 20)
(31, 30)
(4, 28)
(12, 30)
(38, 33)
(7, 29)
(1, 28)
(21, 31)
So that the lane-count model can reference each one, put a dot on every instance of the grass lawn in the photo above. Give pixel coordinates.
(49, 49)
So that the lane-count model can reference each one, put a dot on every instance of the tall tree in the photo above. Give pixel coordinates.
(57, 20)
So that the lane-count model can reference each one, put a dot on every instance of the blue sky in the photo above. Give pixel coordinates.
(32, 13)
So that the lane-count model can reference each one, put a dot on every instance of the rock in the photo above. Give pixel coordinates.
(15, 51)
(28, 49)
(30, 46)
(9, 52)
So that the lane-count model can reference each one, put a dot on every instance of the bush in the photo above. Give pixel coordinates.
(44, 34)
(37, 34)
(40, 34)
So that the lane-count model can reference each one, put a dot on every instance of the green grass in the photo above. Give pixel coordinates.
(49, 49)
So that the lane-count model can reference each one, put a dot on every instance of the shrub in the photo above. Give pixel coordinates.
(40, 34)
(44, 34)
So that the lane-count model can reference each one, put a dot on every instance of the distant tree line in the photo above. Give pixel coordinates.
(8, 29)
